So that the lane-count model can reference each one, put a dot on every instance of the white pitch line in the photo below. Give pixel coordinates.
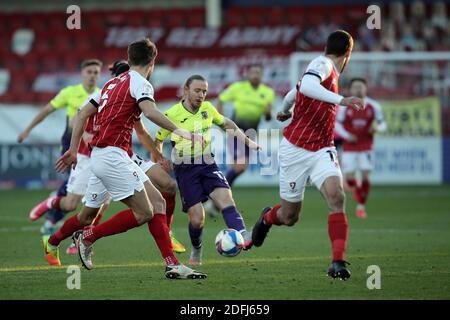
(250, 262)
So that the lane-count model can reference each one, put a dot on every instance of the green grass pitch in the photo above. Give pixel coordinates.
(407, 234)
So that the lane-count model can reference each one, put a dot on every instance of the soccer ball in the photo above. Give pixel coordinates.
(229, 242)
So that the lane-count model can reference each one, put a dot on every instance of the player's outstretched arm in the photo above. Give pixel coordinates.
(36, 120)
(150, 111)
(229, 124)
(147, 141)
(311, 87)
(69, 158)
(286, 105)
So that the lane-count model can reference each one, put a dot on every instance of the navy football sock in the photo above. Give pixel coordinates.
(233, 218)
(196, 236)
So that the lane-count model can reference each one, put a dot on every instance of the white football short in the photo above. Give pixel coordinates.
(115, 173)
(356, 161)
(144, 164)
(298, 164)
(79, 177)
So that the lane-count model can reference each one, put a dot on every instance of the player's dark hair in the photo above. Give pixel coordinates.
(338, 43)
(141, 52)
(192, 78)
(255, 65)
(91, 62)
(357, 80)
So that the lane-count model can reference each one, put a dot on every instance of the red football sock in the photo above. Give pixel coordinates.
(160, 232)
(120, 222)
(363, 191)
(97, 219)
(351, 183)
(54, 203)
(338, 233)
(271, 216)
(68, 228)
(170, 206)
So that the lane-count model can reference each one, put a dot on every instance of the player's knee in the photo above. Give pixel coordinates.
(197, 222)
(289, 219)
(337, 200)
(170, 186)
(71, 206)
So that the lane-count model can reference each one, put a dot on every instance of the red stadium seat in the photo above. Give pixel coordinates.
(176, 18)
(255, 17)
(295, 16)
(196, 18)
(234, 18)
(276, 17)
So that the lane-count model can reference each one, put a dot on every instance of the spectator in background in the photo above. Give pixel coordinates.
(387, 37)
(397, 14)
(408, 41)
(367, 40)
(439, 18)
(418, 18)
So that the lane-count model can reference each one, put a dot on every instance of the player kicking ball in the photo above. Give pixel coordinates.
(123, 100)
(196, 172)
(307, 149)
(356, 127)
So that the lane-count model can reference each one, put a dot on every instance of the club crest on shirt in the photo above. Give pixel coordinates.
(292, 185)
(204, 115)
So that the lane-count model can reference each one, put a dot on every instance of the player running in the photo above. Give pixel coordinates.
(195, 170)
(251, 99)
(78, 179)
(307, 149)
(122, 101)
(357, 129)
(71, 98)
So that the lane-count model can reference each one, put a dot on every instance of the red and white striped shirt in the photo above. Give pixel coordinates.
(118, 110)
(312, 125)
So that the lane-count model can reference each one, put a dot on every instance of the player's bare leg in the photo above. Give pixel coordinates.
(167, 186)
(333, 192)
(196, 215)
(286, 213)
(64, 203)
(223, 200)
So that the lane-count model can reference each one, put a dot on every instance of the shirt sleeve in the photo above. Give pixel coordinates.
(94, 99)
(312, 88)
(141, 89)
(218, 119)
(60, 101)
(229, 94)
(320, 67)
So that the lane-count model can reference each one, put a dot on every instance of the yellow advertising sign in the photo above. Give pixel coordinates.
(415, 117)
